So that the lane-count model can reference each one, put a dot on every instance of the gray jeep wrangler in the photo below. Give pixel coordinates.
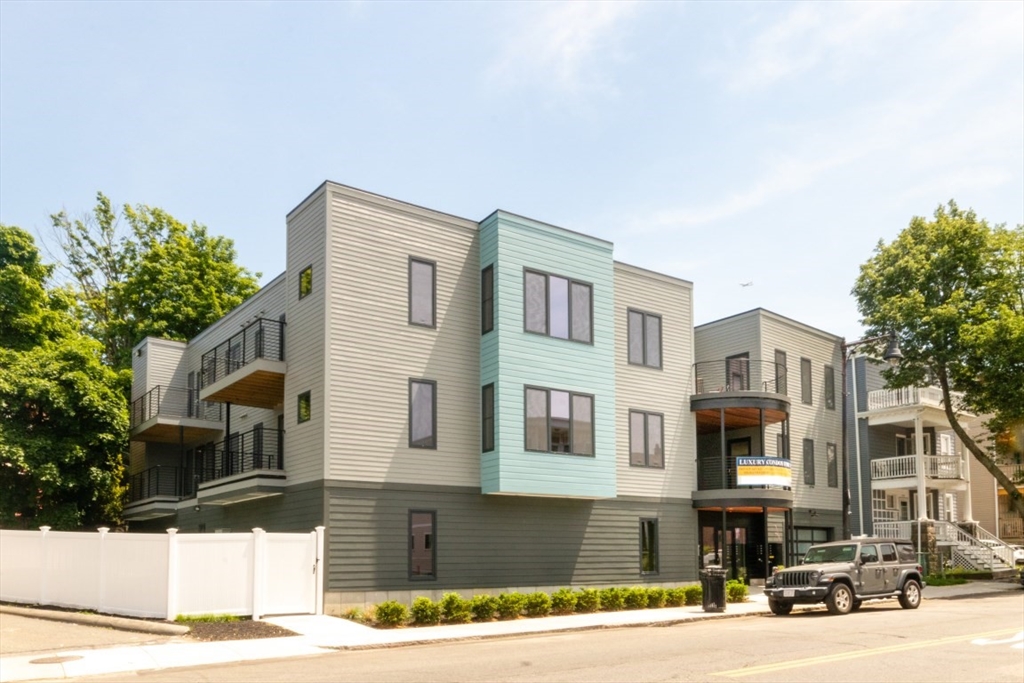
(843, 574)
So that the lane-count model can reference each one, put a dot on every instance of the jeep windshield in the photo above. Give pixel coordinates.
(831, 553)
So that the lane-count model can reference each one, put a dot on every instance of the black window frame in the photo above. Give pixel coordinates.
(647, 426)
(781, 378)
(741, 361)
(808, 462)
(433, 417)
(307, 397)
(487, 299)
(806, 382)
(433, 292)
(830, 387)
(644, 315)
(305, 282)
(487, 418)
(572, 427)
(832, 464)
(653, 551)
(432, 576)
(569, 307)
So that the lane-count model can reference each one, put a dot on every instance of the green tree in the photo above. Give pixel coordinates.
(63, 419)
(952, 289)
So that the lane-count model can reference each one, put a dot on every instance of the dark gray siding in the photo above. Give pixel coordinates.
(486, 541)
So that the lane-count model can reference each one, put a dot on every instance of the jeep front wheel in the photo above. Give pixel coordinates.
(910, 598)
(780, 607)
(839, 600)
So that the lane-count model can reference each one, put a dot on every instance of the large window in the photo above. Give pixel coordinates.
(833, 465)
(644, 346)
(559, 421)
(830, 387)
(737, 372)
(646, 439)
(422, 413)
(809, 462)
(422, 292)
(422, 544)
(781, 382)
(806, 393)
(487, 299)
(648, 546)
(487, 418)
(558, 307)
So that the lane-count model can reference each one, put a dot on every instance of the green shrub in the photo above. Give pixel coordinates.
(563, 601)
(425, 612)
(675, 597)
(455, 609)
(735, 591)
(694, 594)
(358, 615)
(391, 613)
(510, 605)
(483, 607)
(635, 597)
(537, 604)
(656, 597)
(612, 599)
(588, 600)
(947, 580)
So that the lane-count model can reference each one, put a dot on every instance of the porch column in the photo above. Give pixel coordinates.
(922, 494)
(965, 463)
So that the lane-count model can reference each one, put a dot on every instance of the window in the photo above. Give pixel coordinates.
(487, 418)
(782, 445)
(559, 421)
(422, 290)
(888, 552)
(805, 537)
(648, 546)
(833, 466)
(646, 439)
(644, 331)
(557, 307)
(422, 413)
(830, 387)
(487, 300)
(737, 372)
(781, 384)
(809, 462)
(422, 544)
(305, 407)
(806, 394)
(305, 281)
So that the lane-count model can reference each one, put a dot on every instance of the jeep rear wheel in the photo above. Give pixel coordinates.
(910, 598)
(839, 600)
(780, 607)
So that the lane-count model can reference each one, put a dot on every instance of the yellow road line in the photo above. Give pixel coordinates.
(796, 663)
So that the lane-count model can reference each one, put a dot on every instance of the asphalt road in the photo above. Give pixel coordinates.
(977, 639)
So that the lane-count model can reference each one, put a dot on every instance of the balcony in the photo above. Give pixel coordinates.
(750, 393)
(153, 493)
(248, 369)
(173, 415)
(750, 482)
(244, 466)
(941, 471)
(901, 406)
(1015, 472)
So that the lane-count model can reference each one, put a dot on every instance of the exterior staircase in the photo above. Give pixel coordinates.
(977, 551)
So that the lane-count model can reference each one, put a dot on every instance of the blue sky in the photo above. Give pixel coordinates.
(723, 143)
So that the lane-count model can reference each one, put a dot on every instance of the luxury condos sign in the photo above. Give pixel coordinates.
(763, 472)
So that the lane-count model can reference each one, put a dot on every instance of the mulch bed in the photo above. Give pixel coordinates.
(243, 629)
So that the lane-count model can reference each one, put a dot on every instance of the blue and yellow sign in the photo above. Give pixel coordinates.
(763, 471)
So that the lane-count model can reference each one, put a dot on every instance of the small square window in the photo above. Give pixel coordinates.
(305, 281)
(305, 407)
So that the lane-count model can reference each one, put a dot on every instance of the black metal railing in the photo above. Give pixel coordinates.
(261, 339)
(156, 481)
(256, 449)
(739, 374)
(172, 402)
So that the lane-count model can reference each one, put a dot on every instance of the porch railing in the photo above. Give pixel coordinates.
(156, 481)
(256, 449)
(1015, 472)
(909, 396)
(902, 466)
(739, 374)
(261, 339)
(172, 402)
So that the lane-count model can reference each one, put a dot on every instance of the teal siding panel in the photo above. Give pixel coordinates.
(489, 348)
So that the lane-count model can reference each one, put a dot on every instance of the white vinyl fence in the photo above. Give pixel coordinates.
(165, 575)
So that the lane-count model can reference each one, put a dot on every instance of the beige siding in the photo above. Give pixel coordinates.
(163, 361)
(374, 351)
(984, 495)
(665, 391)
(139, 364)
(728, 337)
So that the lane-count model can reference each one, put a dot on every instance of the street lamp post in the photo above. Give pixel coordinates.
(893, 356)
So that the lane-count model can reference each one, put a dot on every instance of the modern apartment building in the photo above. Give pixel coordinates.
(486, 405)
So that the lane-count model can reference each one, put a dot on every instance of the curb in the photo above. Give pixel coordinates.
(102, 620)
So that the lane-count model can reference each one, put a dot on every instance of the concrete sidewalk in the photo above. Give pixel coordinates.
(320, 634)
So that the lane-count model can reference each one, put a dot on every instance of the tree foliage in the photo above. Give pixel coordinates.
(63, 421)
(952, 289)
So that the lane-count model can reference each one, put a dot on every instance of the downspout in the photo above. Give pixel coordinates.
(856, 450)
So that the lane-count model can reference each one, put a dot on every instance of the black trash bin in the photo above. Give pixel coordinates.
(712, 585)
